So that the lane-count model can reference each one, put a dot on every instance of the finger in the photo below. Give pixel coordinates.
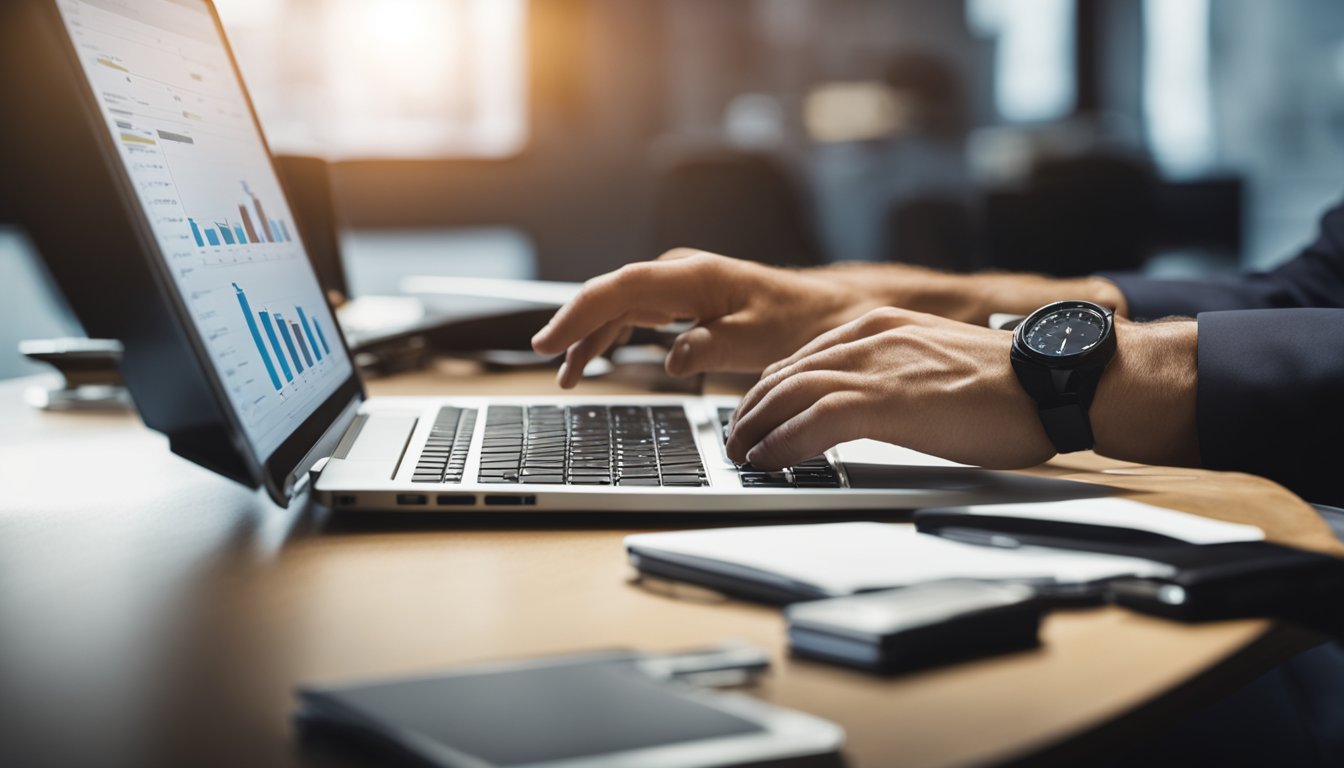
(580, 353)
(679, 253)
(832, 358)
(876, 321)
(719, 345)
(676, 288)
(827, 423)
(778, 406)
(622, 339)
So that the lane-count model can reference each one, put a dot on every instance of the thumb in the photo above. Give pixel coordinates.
(719, 345)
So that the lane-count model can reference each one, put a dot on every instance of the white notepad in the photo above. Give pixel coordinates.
(844, 558)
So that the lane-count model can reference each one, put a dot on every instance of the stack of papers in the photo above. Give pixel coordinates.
(837, 559)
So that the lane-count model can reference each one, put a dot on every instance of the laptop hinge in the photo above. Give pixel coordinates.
(310, 467)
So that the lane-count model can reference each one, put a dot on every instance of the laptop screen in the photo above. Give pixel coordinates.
(204, 180)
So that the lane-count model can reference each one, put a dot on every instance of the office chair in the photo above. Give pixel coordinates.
(741, 204)
(935, 232)
(1075, 216)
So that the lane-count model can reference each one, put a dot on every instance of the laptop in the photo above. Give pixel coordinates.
(232, 266)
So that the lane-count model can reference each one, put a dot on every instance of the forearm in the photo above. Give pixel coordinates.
(969, 298)
(1144, 410)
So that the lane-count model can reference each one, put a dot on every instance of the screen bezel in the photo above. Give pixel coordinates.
(276, 471)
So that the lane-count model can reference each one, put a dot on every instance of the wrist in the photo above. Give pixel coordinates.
(968, 298)
(1022, 294)
(1144, 410)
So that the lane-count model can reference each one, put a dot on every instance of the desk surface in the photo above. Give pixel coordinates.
(153, 614)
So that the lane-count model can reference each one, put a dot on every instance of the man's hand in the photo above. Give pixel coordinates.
(921, 381)
(747, 315)
(948, 389)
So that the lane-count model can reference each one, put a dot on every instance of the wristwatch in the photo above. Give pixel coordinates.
(1059, 353)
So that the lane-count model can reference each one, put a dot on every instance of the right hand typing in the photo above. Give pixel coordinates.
(747, 315)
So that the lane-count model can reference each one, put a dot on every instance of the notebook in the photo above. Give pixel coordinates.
(787, 563)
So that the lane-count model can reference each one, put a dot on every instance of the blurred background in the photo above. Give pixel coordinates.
(558, 139)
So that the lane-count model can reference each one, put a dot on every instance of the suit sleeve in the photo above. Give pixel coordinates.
(1315, 278)
(1271, 397)
(1271, 364)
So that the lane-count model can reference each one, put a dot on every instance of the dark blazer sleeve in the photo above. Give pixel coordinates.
(1315, 278)
(1271, 364)
(1271, 397)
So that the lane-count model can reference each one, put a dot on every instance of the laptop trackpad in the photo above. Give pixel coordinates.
(382, 442)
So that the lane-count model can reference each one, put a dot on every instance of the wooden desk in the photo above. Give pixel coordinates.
(154, 614)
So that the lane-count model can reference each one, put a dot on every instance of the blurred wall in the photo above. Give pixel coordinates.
(580, 187)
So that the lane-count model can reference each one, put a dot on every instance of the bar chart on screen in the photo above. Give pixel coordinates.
(245, 225)
(199, 166)
(287, 347)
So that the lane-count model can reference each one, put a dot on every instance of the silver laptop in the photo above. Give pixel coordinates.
(237, 272)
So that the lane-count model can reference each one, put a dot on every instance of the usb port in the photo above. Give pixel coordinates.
(456, 500)
(510, 501)
(412, 499)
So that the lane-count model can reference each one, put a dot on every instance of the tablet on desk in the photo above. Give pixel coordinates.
(601, 710)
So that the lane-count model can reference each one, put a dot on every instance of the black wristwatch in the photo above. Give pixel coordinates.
(1059, 353)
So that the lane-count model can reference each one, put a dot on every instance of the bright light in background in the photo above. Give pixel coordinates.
(859, 111)
(1033, 56)
(1177, 100)
(418, 78)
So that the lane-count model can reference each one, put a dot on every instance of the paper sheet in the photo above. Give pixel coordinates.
(844, 558)
(876, 452)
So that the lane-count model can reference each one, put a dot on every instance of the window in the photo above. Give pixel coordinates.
(1033, 55)
(392, 78)
(1177, 104)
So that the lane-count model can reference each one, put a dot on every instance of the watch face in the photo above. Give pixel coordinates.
(1066, 332)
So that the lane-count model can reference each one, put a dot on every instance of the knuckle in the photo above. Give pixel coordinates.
(595, 286)
(886, 317)
(791, 386)
(783, 442)
(630, 273)
(831, 405)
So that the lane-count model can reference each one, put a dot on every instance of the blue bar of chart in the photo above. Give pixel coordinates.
(250, 227)
(318, 327)
(303, 345)
(293, 345)
(256, 336)
(275, 345)
(308, 331)
(289, 342)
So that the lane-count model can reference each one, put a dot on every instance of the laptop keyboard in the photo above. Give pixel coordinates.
(445, 454)
(816, 472)
(590, 445)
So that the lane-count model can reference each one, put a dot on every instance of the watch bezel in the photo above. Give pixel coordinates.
(1021, 347)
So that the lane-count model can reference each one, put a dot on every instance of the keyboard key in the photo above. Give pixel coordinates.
(590, 480)
(556, 479)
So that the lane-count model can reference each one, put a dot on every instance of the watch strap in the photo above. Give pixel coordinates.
(1063, 399)
(1067, 426)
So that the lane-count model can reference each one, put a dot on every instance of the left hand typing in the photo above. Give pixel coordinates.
(924, 382)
